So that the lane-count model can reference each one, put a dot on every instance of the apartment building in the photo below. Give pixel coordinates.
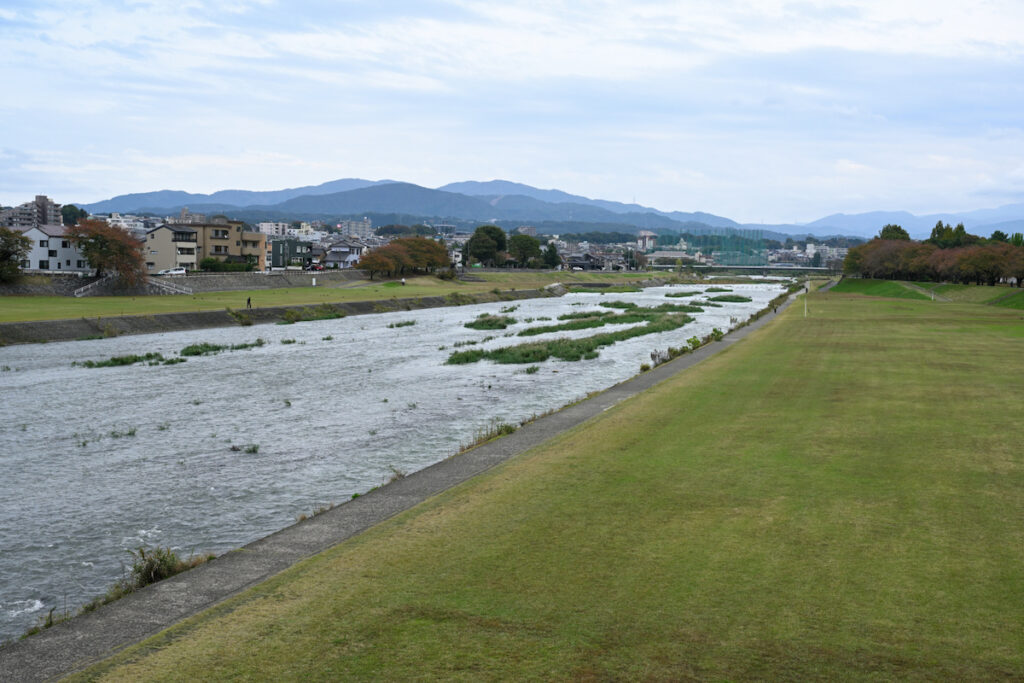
(228, 241)
(41, 211)
(170, 246)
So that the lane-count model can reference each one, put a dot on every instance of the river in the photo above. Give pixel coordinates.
(213, 453)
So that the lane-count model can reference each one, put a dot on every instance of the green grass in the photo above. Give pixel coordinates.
(486, 321)
(884, 288)
(973, 294)
(839, 497)
(23, 308)
(1014, 300)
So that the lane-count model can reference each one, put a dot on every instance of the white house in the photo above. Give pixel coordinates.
(53, 251)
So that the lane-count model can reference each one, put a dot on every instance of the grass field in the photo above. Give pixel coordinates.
(1015, 300)
(836, 497)
(886, 288)
(971, 294)
(21, 308)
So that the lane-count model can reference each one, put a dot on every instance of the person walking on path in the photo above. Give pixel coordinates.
(403, 282)
(248, 302)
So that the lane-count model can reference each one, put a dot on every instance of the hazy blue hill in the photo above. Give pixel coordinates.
(131, 203)
(404, 198)
(252, 198)
(165, 201)
(498, 188)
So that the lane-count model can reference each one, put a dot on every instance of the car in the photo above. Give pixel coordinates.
(172, 271)
(314, 266)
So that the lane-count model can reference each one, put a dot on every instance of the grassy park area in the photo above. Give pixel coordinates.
(23, 308)
(839, 496)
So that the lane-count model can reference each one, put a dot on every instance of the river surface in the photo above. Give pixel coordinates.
(221, 450)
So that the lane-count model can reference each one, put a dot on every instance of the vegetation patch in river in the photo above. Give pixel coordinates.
(486, 321)
(570, 349)
(677, 295)
(731, 298)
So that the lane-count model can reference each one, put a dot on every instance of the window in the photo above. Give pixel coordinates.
(44, 243)
(220, 234)
(51, 252)
(25, 263)
(65, 244)
(79, 264)
(44, 265)
(67, 262)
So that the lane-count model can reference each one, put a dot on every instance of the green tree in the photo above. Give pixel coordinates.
(109, 249)
(71, 214)
(523, 248)
(487, 245)
(999, 236)
(14, 248)
(551, 257)
(893, 232)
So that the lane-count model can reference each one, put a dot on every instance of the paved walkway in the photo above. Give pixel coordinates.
(84, 640)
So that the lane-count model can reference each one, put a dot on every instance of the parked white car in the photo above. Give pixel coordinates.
(172, 271)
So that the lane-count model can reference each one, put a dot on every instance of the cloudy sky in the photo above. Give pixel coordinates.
(756, 110)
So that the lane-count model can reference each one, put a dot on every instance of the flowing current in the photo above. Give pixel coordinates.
(221, 450)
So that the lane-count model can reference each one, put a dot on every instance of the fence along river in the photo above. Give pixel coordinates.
(215, 452)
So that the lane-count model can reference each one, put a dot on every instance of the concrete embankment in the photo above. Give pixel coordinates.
(90, 328)
(71, 329)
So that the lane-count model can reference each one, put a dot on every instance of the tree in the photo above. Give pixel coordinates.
(999, 236)
(71, 214)
(487, 245)
(523, 248)
(551, 257)
(109, 248)
(14, 248)
(893, 232)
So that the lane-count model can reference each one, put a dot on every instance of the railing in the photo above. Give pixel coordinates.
(170, 287)
(81, 291)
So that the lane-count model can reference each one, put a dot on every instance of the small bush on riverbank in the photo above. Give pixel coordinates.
(404, 323)
(731, 299)
(148, 567)
(676, 295)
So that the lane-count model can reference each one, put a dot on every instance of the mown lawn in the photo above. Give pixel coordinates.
(19, 308)
(885, 288)
(971, 294)
(836, 497)
(1015, 300)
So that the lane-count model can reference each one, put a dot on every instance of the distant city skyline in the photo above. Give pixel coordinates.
(772, 111)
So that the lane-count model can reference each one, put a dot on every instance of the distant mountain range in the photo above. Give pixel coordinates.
(508, 204)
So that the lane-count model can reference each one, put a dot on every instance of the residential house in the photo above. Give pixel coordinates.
(171, 246)
(343, 253)
(53, 251)
(645, 239)
(287, 252)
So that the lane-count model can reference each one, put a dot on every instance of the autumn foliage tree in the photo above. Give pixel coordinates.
(109, 249)
(949, 255)
(405, 255)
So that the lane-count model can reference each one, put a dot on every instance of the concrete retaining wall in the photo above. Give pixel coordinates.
(114, 326)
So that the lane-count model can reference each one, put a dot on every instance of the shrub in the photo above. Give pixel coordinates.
(731, 298)
(693, 342)
(486, 321)
(404, 323)
(116, 361)
(644, 367)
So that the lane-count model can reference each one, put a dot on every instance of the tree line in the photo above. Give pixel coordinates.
(948, 255)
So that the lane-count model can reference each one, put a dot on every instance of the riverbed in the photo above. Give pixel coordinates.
(212, 453)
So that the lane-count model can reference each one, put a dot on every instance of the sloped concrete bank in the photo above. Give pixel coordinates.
(41, 331)
(80, 642)
(71, 329)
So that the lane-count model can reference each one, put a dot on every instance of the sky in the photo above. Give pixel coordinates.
(758, 110)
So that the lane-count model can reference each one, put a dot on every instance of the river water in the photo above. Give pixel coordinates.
(96, 461)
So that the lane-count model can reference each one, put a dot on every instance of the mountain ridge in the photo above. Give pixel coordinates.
(504, 201)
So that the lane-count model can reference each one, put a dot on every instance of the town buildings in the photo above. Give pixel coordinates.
(53, 251)
(170, 246)
(40, 211)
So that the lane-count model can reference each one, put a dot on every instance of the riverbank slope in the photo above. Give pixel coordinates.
(839, 496)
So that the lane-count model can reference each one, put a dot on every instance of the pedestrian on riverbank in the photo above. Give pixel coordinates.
(403, 282)
(248, 302)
